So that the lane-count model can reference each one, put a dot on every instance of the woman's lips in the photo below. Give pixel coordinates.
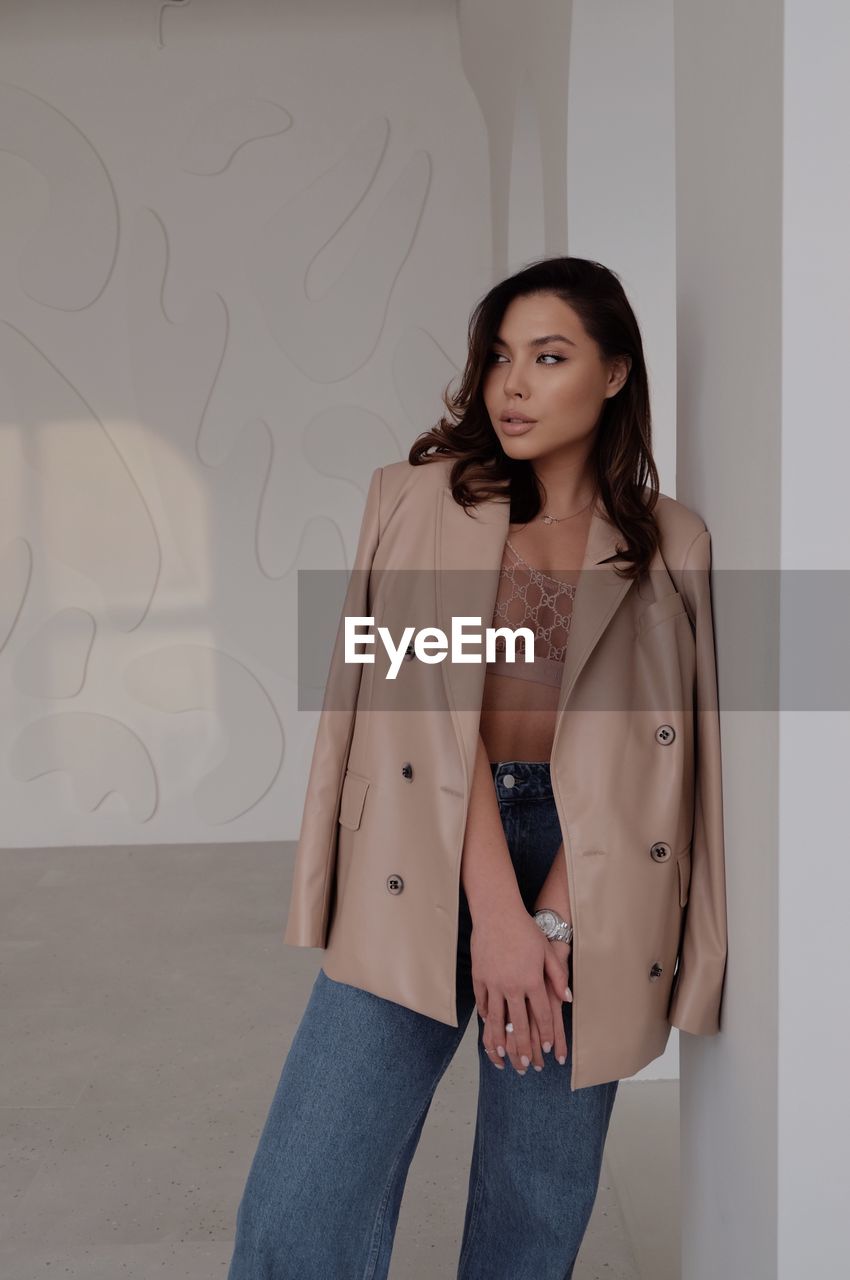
(516, 428)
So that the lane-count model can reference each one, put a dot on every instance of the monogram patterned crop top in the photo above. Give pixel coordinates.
(527, 597)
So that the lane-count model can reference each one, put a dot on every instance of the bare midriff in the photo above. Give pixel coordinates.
(520, 701)
(513, 727)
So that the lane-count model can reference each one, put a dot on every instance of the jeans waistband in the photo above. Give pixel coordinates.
(521, 779)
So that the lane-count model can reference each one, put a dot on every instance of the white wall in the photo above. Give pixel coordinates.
(622, 190)
(237, 255)
(729, 157)
(764, 268)
(814, 867)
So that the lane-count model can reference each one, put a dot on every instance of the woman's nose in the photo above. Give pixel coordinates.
(515, 383)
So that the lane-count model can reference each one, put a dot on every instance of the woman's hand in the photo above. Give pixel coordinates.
(515, 964)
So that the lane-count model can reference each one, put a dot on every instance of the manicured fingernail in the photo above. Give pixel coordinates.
(546, 1046)
(524, 1060)
(568, 994)
(500, 1049)
(562, 1061)
(520, 1073)
(536, 1068)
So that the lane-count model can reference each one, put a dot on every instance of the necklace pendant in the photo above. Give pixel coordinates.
(548, 519)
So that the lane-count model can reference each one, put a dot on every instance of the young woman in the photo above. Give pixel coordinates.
(540, 840)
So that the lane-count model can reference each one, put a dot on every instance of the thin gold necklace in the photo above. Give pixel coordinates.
(547, 519)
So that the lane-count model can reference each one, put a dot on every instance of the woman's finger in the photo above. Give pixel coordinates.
(556, 966)
(540, 1010)
(518, 1041)
(559, 1048)
(493, 1036)
(537, 1060)
(480, 992)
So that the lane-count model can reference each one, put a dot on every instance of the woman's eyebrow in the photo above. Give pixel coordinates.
(539, 342)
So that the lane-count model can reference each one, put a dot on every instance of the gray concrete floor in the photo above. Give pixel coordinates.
(146, 1006)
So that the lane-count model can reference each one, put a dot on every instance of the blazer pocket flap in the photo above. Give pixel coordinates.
(684, 865)
(667, 607)
(353, 798)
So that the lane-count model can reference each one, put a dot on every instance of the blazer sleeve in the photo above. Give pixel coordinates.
(315, 853)
(698, 985)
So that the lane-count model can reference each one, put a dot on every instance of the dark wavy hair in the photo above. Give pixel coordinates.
(625, 473)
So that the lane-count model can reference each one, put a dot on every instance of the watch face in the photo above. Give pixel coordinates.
(547, 919)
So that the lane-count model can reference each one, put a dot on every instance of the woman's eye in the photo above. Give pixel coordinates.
(496, 356)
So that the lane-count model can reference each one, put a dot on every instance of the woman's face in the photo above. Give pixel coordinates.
(561, 383)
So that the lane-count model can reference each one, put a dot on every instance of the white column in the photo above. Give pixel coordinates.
(814, 825)
(763, 206)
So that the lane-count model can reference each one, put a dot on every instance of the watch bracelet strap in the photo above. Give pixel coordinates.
(565, 922)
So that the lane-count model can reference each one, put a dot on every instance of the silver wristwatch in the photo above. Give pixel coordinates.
(556, 928)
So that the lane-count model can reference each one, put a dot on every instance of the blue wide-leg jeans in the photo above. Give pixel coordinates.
(324, 1190)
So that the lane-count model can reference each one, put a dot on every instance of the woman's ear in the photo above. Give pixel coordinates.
(618, 372)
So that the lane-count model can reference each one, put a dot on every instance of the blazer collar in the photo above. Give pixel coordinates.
(468, 558)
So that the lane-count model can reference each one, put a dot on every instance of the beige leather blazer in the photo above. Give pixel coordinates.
(635, 764)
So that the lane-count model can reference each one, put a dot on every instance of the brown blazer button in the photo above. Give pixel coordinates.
(660, 851)
(407, 771)
(395, 884)
(655, 972)
(665, 733)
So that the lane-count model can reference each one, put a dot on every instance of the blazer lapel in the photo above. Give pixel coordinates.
(469, 550)
(598, 595)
